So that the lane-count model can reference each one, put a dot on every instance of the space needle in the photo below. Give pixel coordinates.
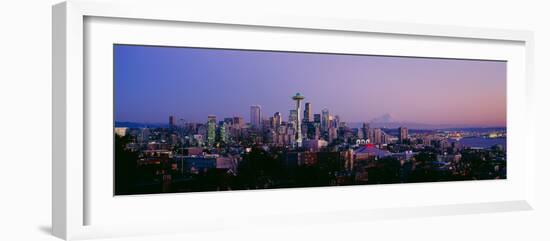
(298, 98)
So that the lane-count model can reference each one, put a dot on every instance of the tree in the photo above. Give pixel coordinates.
(259, 169)
(125, 166)
(385, 170)
(423, 170)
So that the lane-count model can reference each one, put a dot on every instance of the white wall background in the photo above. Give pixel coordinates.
(25, 119)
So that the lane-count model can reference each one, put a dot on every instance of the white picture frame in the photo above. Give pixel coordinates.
(72, 191)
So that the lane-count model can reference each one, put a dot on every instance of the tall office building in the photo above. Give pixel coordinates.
(298, 123)
(121, 131)
(377, 139)
(308, 113)
(360, 134)
(211, 118)
(365, 130)
(211, 129)
(171, 121)
(336, 121)
(278, 119)
(266, 123)
(272, 123)
(228, 120)
(256, 116)
(317, 118)
(317, 133)
(386, 139)
(144, 136)
(224, 132)
(403, 134)
(238, 121)
(292, 116)
(325, 119)
(332, 134)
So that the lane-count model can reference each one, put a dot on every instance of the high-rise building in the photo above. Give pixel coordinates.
(171, 121)
(377, 138)
(325, 119)
(238, 121)
(298, 123)
(292, 116)
(121, 131)
(336, 121)
(202, 130)
(308, 113)
(317, 133)
(211, 118)
(181, 122)
(403, 134)
(256, 116)
(272, 123)
(312, 131)
(144, 135)
(266, 124)
(317, 118)
(360, 134)
(304, 127)
(224, 132)
(365, 130)
(332, 134)
(386, 139)
(278, 119)
(211, 129)
(228, 121)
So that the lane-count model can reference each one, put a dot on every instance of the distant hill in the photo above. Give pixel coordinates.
(139, 125)
(421, 126)
(386, 122)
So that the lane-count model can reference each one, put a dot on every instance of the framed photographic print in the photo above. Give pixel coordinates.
(224, 121)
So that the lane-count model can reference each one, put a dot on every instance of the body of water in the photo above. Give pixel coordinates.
(480, 142)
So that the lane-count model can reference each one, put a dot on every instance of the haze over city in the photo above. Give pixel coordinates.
(152, 83)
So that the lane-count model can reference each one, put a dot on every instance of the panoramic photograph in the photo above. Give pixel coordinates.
(190, 119)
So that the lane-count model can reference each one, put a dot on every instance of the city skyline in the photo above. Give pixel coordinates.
(152, 83)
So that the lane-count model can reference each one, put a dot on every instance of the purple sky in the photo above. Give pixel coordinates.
(152, 83)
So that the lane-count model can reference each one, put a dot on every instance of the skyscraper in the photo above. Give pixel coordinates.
(298, 123)
(403, 134)
(228, 120)
(278, 118)
(292, 116)
(212, 118)
(308, 113)
(377, 136)
(272, 123)
(324, 119)
(238, 121)
(332, 134)
(255, 116)
(336, 121)
(211, 128)
(171, 121)
(224, 133)
(365, 130)
(317, 118)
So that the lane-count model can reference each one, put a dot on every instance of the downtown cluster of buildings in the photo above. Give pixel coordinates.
(220, 143)
(298, 129)
(303, 138)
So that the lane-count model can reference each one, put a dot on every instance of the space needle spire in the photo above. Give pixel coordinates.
(298, 98)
